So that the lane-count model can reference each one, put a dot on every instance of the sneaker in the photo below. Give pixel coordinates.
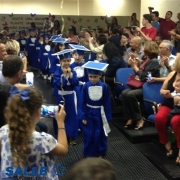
(44, 76)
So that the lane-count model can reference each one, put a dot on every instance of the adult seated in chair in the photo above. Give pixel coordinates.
(166, 60)
(135, 50)
(131, 96)
(161, 120)
(12, 74)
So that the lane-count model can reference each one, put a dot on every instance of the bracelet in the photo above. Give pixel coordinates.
(61, 128)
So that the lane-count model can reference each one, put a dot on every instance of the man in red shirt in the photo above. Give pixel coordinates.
(148, 32)
(166, 25)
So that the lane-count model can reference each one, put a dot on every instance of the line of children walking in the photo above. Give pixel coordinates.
(86, 101)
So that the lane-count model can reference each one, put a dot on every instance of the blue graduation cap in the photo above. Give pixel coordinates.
(67, 43)
(66, 53)
(60, 40)
(79, 49)
(95, 68)
(12, 34)
(46, 35)
(53, 37)
(22, 31)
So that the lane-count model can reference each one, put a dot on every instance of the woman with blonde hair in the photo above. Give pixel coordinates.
(13, 48)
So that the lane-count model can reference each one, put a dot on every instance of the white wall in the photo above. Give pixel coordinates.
(71, 7)
(162, 6)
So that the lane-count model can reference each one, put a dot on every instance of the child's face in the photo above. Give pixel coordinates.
(158, 40)
(22, 35)
(124, 39)
(78, 57)
(32, 34)
(177, 86)
(65, 62)
(94, 78)
(46, 40)
(61, 47)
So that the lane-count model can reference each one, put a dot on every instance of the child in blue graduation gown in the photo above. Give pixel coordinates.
(31, 47)
(65, 80)
(96, 111)
(44, 56)
(82, 76)
(22, 40)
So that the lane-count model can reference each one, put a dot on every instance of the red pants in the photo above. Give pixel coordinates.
(161, 125)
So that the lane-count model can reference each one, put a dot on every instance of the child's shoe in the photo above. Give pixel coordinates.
(72, 142)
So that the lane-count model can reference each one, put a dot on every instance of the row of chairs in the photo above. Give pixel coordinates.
(151, 91)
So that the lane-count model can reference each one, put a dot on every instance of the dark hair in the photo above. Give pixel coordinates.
(111, 51)
(92, 168)
(53, 16)
(148, 17)
(116, 21)
(102, 39)
(115, 30)
(18, 114)
(72, 29)
(12, 65)
(100, 30)
(151, 49)
(125, 34)
(156, 13)
(5, 28)
(170, 12)
(33, 25)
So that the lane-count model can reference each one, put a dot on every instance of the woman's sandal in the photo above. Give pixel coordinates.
(170, 153)
(178, 160)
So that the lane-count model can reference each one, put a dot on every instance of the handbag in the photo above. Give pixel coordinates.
(134, 83)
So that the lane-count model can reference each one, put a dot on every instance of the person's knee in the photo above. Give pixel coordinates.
(125, 92)
(160, 118)
(175, 121)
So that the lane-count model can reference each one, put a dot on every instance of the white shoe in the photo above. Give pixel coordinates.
(44, 76)
(49, 78)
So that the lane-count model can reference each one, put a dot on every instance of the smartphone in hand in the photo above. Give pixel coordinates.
(48, 110)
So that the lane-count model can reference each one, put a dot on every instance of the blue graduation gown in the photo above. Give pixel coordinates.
(54, 60)
(56, 75)
(44, 56)
(67, 86)
(31, 49)
(38, 64)
(82, 77)
(22, 43)
(95, 141)
(89, 56)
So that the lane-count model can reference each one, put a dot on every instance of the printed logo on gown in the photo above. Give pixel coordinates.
(47, 47)
(23, 42)
(79, 71)
(95, 93)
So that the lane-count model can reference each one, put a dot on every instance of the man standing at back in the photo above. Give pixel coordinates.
(148, 32)
(166, 25)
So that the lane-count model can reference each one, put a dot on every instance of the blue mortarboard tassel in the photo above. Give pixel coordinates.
(24, 94)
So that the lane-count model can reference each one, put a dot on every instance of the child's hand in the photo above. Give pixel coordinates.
(84, 122)
(60, 115)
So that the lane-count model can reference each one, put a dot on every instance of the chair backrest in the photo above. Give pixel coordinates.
(122, 75)
(151, 91)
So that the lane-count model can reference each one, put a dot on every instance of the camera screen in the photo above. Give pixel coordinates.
(48, 110)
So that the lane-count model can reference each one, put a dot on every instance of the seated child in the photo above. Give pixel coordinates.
(65, 80)
(175, 95)
(96, 111)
